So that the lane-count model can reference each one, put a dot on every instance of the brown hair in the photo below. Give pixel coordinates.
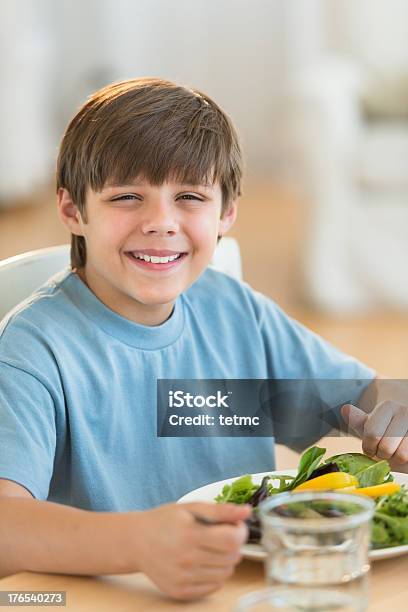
(148, 128)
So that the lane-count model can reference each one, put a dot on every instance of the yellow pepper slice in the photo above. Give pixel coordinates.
(333, 480)
(387, 488)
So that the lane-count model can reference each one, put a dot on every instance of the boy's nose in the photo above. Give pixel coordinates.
(160, 219)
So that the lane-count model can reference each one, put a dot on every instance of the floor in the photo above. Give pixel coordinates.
(271, 231)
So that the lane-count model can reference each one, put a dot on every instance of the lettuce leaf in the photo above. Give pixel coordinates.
(368, 471)
(373, 474)
(309, 461)
(238, 492)
(395, 528)
(351, 462)
(395, 504)
(390, 522)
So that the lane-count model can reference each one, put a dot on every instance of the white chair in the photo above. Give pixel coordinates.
(22, 274)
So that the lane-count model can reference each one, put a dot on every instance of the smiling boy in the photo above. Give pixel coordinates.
(148, 178)
(147, 244)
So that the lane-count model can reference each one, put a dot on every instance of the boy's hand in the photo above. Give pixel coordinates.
(383, 431)
(185, 558)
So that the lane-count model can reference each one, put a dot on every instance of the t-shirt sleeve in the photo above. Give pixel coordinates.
(27, 430)
(310, 379)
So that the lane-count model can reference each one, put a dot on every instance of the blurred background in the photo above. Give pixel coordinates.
(318, 90)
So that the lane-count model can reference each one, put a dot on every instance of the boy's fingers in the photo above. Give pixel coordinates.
(216, 558)
(354, 418)
(393, 436)
(378, 421)
(225, 539)
(219, 513)
(400, 457)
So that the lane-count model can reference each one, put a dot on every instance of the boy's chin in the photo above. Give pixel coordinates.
(156, 301)
(159, 296)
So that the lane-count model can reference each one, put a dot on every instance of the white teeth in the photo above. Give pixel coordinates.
(155, 259)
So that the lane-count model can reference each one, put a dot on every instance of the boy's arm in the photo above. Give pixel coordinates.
(42, 536)
(183, 557)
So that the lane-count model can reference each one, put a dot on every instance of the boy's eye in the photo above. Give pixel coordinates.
(190, 196)
(126, 196)
(184, 196)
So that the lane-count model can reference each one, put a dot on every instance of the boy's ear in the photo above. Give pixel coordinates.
(69, 213)
(228, 218)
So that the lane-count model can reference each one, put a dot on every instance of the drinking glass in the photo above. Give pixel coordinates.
(317, 546)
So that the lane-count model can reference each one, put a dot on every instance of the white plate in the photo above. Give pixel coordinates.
(255, 551)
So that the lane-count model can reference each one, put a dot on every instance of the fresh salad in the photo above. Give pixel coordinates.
(351, 473)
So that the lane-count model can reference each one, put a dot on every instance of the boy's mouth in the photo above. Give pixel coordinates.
(156, 260)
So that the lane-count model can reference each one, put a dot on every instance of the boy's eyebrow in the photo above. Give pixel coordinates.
(136, 183)
(141, 183)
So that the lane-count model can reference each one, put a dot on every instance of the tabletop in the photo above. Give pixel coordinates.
(134, 592)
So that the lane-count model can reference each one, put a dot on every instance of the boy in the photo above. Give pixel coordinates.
(148, 178)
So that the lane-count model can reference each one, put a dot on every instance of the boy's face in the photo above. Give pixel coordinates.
(129, 227)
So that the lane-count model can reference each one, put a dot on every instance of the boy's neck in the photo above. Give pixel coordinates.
(149, 315)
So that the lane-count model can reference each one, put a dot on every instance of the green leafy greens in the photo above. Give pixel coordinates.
(390, 525)
(242, 489)
(390, 521)
(308, 463)
(367, 471)
(237, 492)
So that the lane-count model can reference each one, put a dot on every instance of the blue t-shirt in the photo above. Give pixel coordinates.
(78, 389)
